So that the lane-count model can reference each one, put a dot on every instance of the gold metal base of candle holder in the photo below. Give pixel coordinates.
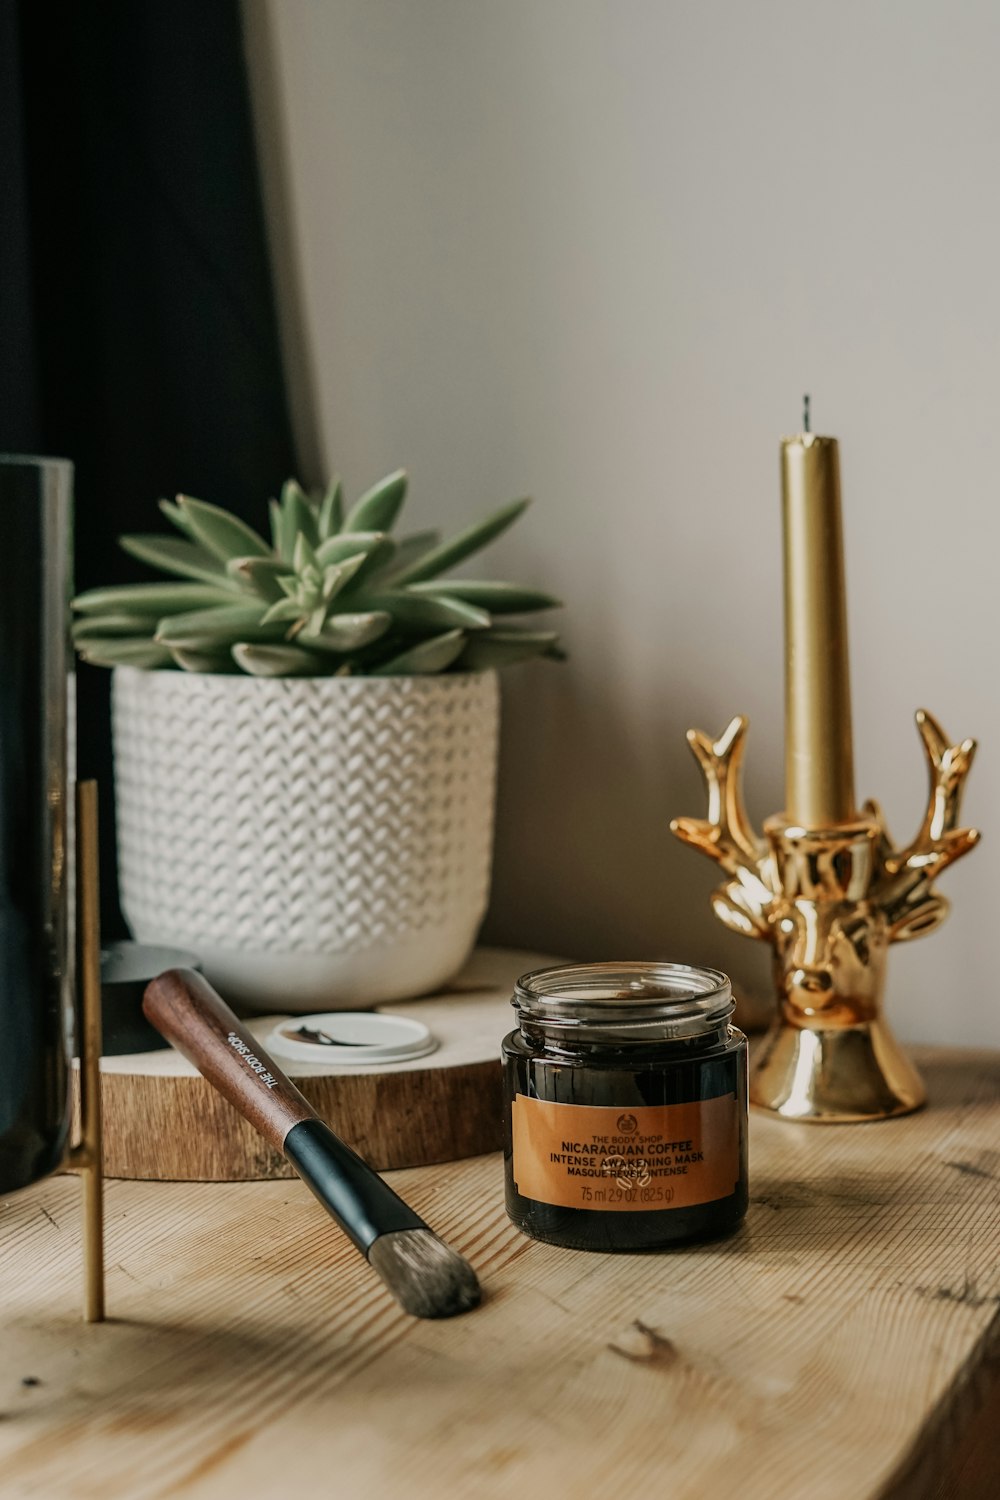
(835, 1076)
(830, 901)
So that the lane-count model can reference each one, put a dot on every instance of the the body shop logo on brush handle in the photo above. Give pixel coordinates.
(252, 1061)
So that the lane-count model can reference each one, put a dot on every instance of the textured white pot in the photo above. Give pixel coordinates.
(320, 843)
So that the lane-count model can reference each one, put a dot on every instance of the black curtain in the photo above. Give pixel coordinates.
(138, 334)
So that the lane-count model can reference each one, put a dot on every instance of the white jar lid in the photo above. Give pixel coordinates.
(350, 1037)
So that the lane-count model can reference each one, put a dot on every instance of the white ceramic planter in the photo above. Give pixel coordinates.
(320, 843)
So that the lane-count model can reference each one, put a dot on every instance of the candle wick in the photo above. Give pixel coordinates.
(805, 414)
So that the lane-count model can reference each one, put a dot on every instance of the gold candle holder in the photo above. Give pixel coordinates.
(826, 886)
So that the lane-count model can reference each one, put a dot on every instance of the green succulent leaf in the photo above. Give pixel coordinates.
(432, 655)
(177, 518)
(498, 598)
(274, 517)
(338, 548)
(171, 554)
(423, 612)
(331, 511)
(349, 632)
(209, 627)
(503, 647)
(92, 627)
(259, 575)
(315, 596)
(175, 555)
(441, 558)
(378, 507)
(298, 518)
(303, 554)
(152, 600)
(408, 549)
(220, 533)
(219, 663)
(277, 661)
(284, 610)
(369, 564)
(123, 651)
(339, 576)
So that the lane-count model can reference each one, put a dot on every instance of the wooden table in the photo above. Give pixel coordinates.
(842, 1346)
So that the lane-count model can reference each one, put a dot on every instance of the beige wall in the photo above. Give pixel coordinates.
(595, 252)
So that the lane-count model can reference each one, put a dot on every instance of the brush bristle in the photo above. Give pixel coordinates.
(427, 1277)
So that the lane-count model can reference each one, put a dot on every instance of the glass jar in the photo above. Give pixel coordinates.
(626, 1106)
(36, 992)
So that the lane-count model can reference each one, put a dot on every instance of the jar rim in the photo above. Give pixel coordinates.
(626, 998)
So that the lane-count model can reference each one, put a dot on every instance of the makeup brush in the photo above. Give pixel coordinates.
(427, 1277)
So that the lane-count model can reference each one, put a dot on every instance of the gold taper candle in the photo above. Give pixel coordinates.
(819, 755)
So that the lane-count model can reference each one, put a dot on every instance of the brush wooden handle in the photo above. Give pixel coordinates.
(183, 1006)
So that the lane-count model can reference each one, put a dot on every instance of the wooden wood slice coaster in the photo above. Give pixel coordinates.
(163, 1122)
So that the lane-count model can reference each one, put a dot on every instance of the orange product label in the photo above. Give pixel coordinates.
(616, 1160)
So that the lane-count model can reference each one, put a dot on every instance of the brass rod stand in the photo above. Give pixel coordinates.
(86, 1156)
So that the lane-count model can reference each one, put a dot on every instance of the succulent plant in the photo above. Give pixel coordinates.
(333, 593)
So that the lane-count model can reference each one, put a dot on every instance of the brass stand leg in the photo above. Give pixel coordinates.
(87, 1155)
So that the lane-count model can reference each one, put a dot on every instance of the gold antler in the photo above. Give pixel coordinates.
(909, 873)
(939, 842)
(727, 835)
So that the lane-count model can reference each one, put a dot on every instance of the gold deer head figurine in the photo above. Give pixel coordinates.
(830, 901)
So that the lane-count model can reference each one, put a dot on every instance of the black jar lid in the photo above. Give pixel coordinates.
(625, 1001)
(126, 969)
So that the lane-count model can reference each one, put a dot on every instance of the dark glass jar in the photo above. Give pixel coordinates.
(626, 1106)
(35, 979)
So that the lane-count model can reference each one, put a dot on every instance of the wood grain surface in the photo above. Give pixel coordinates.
(163, 1122)
(842, 1346)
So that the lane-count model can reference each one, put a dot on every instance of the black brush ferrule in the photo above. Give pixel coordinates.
(363, 1204)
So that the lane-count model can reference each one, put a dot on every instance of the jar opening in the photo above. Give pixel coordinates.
(629, 1001)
